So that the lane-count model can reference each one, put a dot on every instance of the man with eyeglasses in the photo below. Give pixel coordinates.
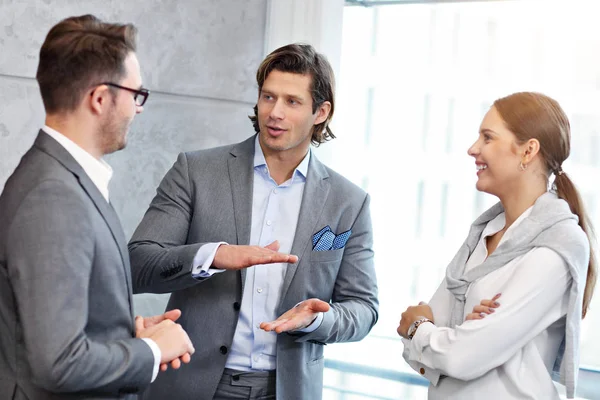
(66, 316)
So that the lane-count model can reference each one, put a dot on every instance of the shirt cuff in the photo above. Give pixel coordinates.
(418, 343)
(157, 356)
(313, 325)
(432, 375)
(421, 339)
(204, 259)
(316, 323)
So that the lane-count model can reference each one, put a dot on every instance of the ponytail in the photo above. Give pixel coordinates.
(566, 190)
(530, 115)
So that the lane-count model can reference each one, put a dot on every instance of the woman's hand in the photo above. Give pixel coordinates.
(484, 308)
(412, 314)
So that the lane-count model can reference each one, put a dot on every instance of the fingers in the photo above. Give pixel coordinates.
(292, 259)
(281, 325)
(271, 326)
(473, 316)
(237, 257)
(177, 363)
(403, 326)
(266, 326)
(270, 258)
(139, 325)
(288, 325)
(173, 315)
(280, 257)
(298, 317)
(186, 358)
(492, 303)
(483, 309)
(315, 305)
(146, 330)
(276, 257)
(273, 246)
(321, 306)
(172, 340)
(422, 310)
(486, 307)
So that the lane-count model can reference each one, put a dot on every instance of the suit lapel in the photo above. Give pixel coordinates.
(48, 145)
(241, 177)
(315, 194)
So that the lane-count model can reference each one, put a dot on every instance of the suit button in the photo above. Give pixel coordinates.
(236, 306)
(235, 378)
(422, 371)
(223, 350)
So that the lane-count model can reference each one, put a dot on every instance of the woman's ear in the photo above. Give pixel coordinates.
(532, 148)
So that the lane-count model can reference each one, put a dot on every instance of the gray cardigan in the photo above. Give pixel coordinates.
(551, 224)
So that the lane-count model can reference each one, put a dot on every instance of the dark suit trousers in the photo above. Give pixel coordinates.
(246, 385)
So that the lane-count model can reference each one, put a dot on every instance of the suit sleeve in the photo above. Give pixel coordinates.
(354, 304)
(161, 261)
(50, 254)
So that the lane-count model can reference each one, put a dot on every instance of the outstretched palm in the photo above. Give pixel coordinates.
(298, 317)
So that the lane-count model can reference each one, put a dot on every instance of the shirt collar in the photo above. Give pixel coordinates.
(260, 163)
(498, 223)
(98, 170)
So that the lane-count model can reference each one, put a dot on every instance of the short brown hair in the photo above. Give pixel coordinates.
(531, 115)
(79, 52)
(302, 59)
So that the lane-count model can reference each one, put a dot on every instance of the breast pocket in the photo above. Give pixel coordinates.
(326, 256)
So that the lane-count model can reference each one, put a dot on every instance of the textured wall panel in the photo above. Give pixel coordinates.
(155, 141)
(21, 116)
(208, 48)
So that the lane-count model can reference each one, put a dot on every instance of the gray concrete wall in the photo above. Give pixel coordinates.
(198, 57)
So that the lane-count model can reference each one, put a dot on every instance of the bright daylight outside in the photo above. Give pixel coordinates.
(415, 82)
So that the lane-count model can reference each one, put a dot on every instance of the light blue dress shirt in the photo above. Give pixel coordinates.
(275, 211)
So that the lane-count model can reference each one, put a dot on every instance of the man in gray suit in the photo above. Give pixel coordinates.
(269, 190)
(66, 317)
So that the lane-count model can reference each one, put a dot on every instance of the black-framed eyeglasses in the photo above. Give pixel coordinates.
(139, 95)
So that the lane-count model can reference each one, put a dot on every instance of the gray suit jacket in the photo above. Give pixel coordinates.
(207, 197)
(66, 319)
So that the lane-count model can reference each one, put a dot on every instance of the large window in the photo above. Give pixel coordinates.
(415, 82)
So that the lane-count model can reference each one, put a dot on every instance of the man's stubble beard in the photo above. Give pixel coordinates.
(113, 132)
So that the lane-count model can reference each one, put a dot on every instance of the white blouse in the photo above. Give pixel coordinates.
(508, 354)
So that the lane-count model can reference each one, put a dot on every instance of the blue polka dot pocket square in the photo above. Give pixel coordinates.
(325, 239)
(318, 235)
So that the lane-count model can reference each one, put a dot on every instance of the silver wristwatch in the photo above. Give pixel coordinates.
(412, 329)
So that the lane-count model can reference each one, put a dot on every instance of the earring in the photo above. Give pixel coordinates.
(522, 166)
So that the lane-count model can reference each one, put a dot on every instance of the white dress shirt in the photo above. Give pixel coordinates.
(100, 174)
(98, 170)
(510, 353)
(275, 211)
